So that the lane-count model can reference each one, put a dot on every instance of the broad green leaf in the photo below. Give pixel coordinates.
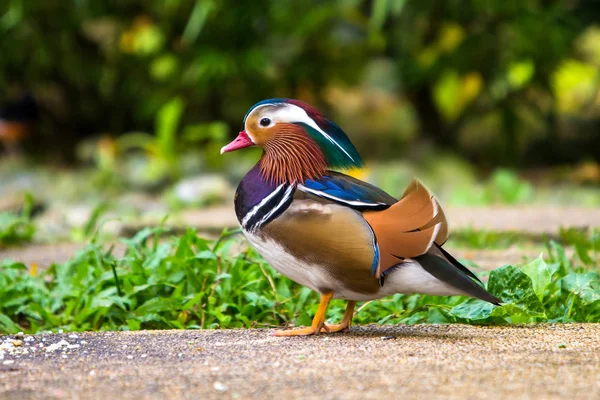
(540, 275)
(512, 285)
(473, 309)
(516, 315)
(585, 286)
(438, 315)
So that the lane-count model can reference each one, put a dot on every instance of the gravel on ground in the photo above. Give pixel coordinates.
(408, 362)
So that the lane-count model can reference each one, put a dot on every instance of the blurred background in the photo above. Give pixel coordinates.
(119, 108)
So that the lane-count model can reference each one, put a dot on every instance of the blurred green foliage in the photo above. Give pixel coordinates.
(502, 82)
(17, 227)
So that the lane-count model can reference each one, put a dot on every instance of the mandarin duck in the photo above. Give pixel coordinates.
(337, 235)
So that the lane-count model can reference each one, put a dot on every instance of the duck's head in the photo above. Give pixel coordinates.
(298, 142)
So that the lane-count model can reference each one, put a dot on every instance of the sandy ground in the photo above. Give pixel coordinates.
(408, 362)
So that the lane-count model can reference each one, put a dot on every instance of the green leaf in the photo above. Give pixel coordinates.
(585, 286)
(155, 305)
(7, 325)
(166, 125)
(540, 275)
(439, 315)
(473, 309)
(205, 255)
(514, 314)
(196, 21)
(134, 325)
(512, 285)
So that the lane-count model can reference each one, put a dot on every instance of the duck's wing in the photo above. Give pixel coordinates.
(408, 228)
(412, 229)
(403, 229)
(348, 191)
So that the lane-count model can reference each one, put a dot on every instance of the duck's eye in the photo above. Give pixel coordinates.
(265, 122)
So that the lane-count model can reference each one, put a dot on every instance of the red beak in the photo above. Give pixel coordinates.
(238, 143)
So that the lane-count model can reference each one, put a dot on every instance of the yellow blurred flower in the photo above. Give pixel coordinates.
(143, 37)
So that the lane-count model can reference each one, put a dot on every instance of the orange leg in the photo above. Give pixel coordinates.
(346, 320)
(317, 323)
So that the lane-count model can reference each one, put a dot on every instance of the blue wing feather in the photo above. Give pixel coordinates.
(344, 189)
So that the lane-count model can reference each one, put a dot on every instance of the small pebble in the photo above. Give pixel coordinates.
(20, 335)
(17, 343)
(92, 372)
(73, 336)
(8, 362)
(144, 355)
(129, 357)
(219, 387)
(60, 331)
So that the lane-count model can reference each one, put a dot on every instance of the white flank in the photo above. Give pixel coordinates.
(309, 275)
(412, 278)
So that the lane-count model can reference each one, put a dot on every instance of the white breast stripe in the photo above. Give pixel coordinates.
(328, 196)
(285, 198)
(262, 203)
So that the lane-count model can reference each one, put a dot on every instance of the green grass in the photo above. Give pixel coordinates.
(17, 227)
(190, 282)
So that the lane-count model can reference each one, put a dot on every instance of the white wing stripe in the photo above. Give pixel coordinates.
(328, 196)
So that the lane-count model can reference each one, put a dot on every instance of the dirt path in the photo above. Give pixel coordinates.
(409, 362)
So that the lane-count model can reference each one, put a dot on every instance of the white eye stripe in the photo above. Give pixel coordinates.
(292, 113)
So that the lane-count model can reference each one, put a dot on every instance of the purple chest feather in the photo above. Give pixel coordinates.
(257, 201)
